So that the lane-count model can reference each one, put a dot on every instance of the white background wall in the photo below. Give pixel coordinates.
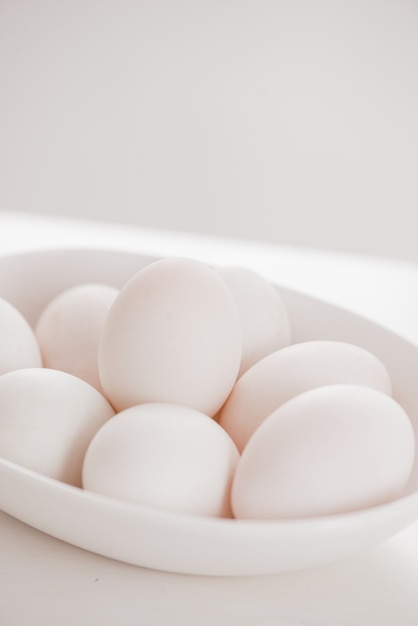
(292, 121)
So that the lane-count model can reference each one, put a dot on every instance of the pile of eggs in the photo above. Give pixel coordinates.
(183, 391)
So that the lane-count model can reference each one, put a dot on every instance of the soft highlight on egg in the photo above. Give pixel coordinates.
(291, 371)
(47, 419)
(327, 451)
(173, 335)
(69, 330)
(264, 319)
(166, 456)
(19, 347)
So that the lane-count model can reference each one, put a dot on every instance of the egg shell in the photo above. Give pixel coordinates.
(18, 345)
(47, 419)
(172, 335)
(291, 371)
(329, 450)
(264, 319)
(166, 456)
(69, 329)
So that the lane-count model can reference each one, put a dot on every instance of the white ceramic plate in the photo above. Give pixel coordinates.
(148, 537)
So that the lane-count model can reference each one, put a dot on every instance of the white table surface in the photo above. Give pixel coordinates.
(45, 581)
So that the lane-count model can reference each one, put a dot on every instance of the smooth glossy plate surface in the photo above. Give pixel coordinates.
(152, 538)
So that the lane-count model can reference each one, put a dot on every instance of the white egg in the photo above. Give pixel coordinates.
(69, 330)
(18, 345)
(47, 419)
(264, 319)
(329, 450)
(172, 335)
(163, 455)
(291, 371)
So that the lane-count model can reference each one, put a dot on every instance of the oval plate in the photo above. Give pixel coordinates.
(161, 540)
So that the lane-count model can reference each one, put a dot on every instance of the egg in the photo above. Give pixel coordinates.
(173, 335)
(47, 419)
(18, 345)
(264, 319)
(69, 328)
(163, 455)
(291, 371)
(327, 451)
